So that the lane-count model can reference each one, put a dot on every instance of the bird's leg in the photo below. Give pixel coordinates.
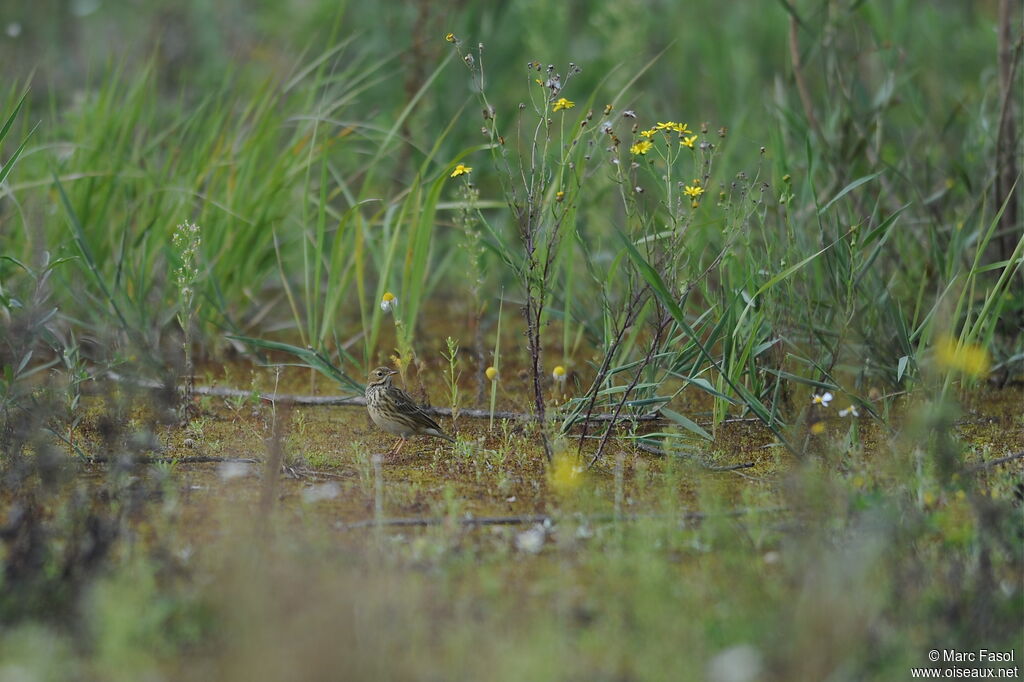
(395, 449)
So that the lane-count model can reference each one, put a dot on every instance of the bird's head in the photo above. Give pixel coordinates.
(381, 376)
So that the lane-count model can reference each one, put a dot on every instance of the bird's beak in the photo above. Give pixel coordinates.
(392, 372)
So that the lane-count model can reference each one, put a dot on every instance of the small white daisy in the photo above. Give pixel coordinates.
(824, 399)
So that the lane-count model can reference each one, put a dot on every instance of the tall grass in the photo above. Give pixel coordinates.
(322, 186)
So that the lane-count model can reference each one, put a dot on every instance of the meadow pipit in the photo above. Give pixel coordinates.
(393, 410)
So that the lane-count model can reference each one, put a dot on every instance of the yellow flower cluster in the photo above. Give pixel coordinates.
(461, 169)
(669, 126)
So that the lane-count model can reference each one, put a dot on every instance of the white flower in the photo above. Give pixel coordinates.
(388, 302)
(822, 400)
(850, 411)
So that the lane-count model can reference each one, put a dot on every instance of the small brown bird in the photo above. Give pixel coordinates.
(394, 410)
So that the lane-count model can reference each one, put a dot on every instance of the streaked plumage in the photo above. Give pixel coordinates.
(394, 410)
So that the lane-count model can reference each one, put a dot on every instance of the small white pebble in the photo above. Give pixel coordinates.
(230, 470)
(322, 491)
(531, 541)
(740, 663)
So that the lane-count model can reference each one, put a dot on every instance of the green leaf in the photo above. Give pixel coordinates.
(686, 423)
(310, 358)
(849, 188)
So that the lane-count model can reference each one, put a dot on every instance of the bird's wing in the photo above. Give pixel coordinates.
(405, 403)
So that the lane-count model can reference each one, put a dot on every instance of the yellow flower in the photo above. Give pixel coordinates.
(450, 37)
(967, 358)
(693, 191)
(388, 301)
(667, 125)
(929, 499)
(648, 133)
(559, 374)
(559, 196)
(461, 169)
(563, 103)
(566, 473)
(641, 148)
(491, 373)
(818, 428)
(688, 141)
(681, 128)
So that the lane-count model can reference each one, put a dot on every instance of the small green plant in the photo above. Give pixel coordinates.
(493, 373)
(452, 377)
(187, 241)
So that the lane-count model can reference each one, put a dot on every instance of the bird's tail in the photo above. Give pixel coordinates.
(441, 434)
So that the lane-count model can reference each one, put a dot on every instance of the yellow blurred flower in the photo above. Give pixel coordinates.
(450, 37)
(693, 191)
(563, 103)
(818, 428)
(491, 373)
(967, 358)
(681, 128)
(461, 169)
(688, 141)
(388, 301)
(641, 148)
(566, 473)
(666, 125)
(648, 133)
